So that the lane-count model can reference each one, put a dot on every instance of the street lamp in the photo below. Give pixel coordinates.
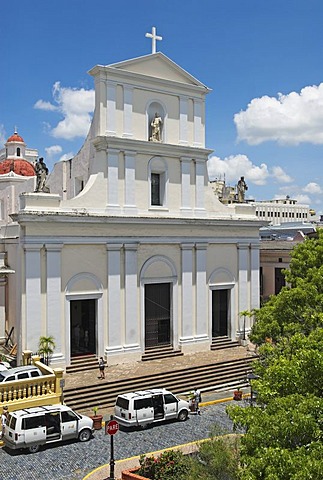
(253, 393)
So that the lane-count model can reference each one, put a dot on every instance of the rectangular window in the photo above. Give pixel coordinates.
(155, 189)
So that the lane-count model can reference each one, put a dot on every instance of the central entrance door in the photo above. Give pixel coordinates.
(157, 314)
(220, 312)
(83, 337)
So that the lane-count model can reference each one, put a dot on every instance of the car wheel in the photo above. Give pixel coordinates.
(182, 416)
(85, 435)
(33, 449)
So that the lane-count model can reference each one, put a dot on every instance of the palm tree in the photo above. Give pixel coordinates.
(46, 347)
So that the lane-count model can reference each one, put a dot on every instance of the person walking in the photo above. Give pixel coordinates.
(197, 400)
(4, 417)
(101, 368)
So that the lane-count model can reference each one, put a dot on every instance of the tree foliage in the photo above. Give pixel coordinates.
(284, 431)
(299, 305)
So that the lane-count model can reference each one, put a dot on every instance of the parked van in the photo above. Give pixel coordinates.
(32, 427)
(149, 406)
(19, 373)
(4, 366)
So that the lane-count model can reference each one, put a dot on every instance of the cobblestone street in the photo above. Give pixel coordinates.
(74, 460)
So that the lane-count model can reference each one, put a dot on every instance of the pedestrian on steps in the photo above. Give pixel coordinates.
(101, 368)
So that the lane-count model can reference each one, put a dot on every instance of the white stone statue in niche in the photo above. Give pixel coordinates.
(156, 127)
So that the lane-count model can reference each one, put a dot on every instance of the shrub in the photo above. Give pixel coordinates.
(170, 465)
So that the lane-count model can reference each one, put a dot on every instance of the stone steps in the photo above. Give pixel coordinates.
(83, 363)
(218, 343)
(156, 353)
(230, 374)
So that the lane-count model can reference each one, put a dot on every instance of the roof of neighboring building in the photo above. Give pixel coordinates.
(18, 166)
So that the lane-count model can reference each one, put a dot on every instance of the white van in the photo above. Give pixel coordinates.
(149, 406)
(19, 373)
(32, 427)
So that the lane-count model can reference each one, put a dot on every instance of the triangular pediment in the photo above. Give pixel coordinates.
(157, 65)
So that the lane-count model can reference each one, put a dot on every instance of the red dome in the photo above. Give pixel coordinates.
(15, 138)
(18, 166)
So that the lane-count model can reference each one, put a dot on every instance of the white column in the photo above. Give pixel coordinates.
(130, 182)
(111, 108)
(199, 187)
(55, 315)
(127, 111)
(186, 206)
(113, 180)
(202, 328)
(243, 265)
(3, 286)
(34, 313)
(198, 129)
(187, 293)
(115, 322)
(183, 120)
(254, 280)
(100, 117)
(132, 332)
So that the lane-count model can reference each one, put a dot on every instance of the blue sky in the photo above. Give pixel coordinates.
(262, 60)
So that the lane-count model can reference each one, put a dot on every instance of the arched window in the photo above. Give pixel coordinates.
(18, 151)
(158, 179)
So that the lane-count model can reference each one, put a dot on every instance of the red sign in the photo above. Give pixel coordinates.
(111, 427)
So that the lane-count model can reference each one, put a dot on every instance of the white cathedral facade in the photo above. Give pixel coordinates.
(132, 250)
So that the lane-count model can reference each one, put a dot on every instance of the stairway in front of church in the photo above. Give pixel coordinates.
(218, 343)
(83, 363)
(219, 375)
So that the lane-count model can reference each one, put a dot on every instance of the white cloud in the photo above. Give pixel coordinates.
(235, 166)
(3, 138)
(66, 156)
(281, 176)
(288, 119)
(303, 199)
(76, 107)
(47, 106)
(53, 150)
(313, 188)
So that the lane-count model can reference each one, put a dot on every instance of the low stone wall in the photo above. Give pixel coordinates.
(33, 392)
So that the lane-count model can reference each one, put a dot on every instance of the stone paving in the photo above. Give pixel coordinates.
(74, 460)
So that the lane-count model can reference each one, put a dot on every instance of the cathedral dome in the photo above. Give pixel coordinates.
(18, 166)
(15, 138)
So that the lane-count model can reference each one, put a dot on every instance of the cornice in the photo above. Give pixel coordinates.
(150, 148)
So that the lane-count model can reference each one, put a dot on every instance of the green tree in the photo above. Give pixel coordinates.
(46, 348)
(299, 305)
(283, 440)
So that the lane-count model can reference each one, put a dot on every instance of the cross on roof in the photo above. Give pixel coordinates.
(153, 37)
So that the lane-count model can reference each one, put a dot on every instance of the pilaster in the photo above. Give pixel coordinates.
(115, 325)
(127, 111)
(186, 207)
(113, 179)
(34, 314)
(187, 293)
(132, 333)
(243, 265)
(183, 120)
(201, 292)
(199, 187)
(111, 108)
(130, 182)
(54, 304)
